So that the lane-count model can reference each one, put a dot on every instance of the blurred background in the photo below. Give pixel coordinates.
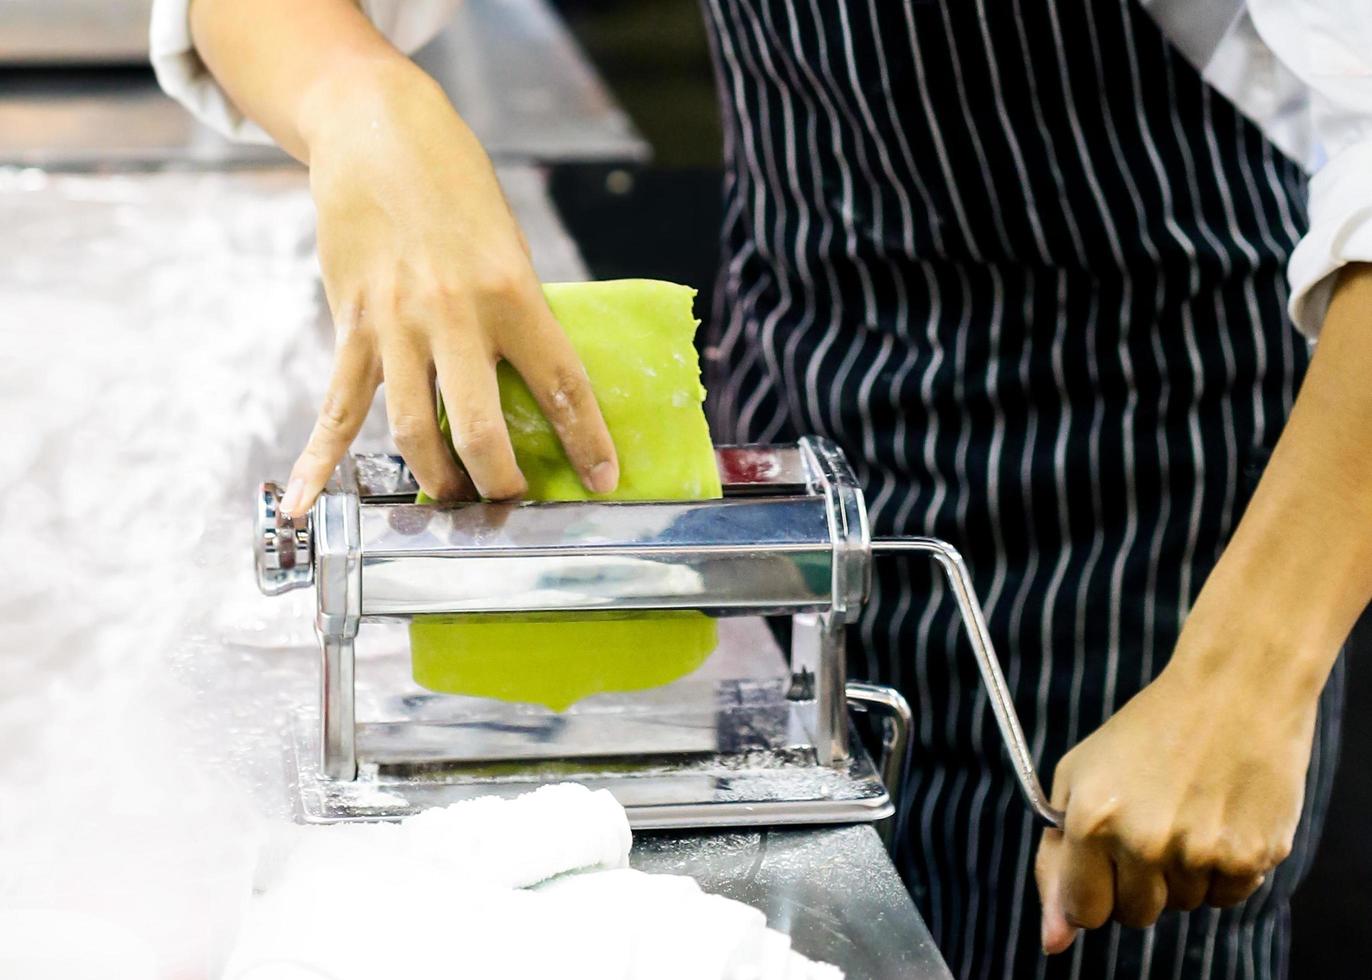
(602, 117)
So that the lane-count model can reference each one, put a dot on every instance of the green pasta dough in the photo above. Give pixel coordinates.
(635, 338)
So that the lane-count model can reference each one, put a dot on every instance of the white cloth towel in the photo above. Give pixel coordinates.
(554, 829)
(447, 893)
(489, 841)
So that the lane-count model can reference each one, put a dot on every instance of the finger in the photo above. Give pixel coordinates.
(413, 414)
(1140, 892)
(1056, 934)
(354, 381)
(549, 365)
(1088, 882)
(466, 376)
(1228, 890)
(1186, 889)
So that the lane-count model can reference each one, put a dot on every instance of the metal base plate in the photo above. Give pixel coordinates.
(722, 747)
(760, 787)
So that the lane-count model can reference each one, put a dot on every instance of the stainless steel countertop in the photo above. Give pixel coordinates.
(833, 890)
(510, 66)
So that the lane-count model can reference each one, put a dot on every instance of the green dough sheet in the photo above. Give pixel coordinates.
(635, 338)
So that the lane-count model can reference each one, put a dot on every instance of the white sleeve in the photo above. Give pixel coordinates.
(407, 23)
(1328, 44)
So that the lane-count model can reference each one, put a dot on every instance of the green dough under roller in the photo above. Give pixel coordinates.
(635, 338)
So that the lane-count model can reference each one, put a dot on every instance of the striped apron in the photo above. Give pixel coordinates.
(1027, 268)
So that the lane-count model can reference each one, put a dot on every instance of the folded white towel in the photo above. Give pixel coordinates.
(520, 842)
(445, 894)
(490, 841)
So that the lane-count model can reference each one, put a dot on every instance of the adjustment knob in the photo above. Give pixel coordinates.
(283, 550)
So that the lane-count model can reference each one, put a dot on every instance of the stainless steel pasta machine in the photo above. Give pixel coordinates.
(774, 745)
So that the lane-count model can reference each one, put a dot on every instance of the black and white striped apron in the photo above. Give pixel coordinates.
(1028, 269)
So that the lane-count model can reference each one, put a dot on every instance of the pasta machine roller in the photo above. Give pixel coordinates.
(766, 739)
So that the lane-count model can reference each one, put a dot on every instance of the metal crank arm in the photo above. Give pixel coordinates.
(974, 621)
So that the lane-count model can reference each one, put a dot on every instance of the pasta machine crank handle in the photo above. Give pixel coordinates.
(974, 622)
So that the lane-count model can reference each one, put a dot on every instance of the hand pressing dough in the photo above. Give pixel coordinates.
(635, 338)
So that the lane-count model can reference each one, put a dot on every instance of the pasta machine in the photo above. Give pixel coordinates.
(749, 746)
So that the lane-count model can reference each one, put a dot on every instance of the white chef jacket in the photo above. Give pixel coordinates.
(1300, 69)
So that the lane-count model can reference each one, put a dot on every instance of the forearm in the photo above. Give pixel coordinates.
(291, 66)
(1299, 568)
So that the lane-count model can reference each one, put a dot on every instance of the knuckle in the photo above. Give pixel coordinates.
(439, 291)
(354, 329)
(1092, 818)
(1242, 866)
(1198, 853)
(335, 415)
(568, 388)
(431, 296)
(1241, 859)
(410, 431)
(499, 282)
(1151, 846)
(475, 434)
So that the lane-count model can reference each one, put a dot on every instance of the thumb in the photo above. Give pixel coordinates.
(1056, 934)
